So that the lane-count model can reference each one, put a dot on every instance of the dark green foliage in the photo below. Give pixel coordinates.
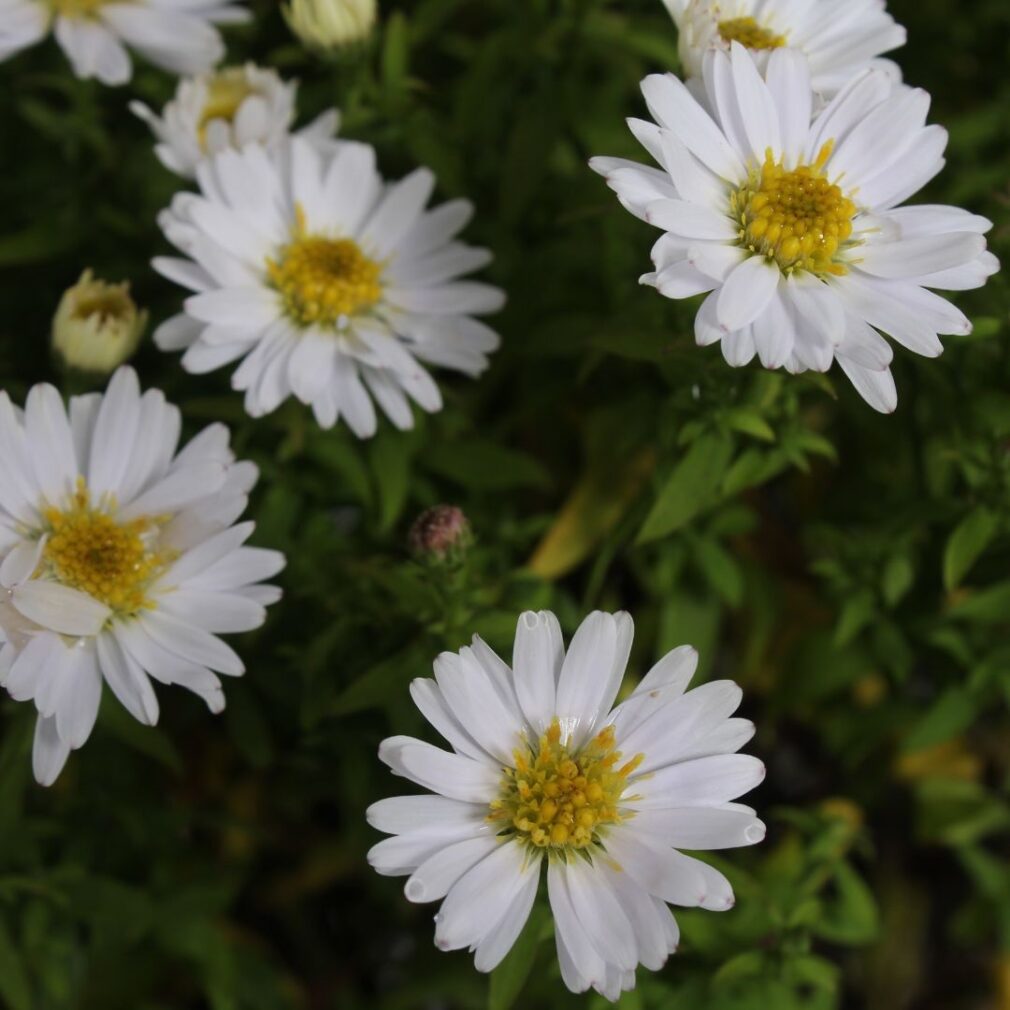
(851, 571)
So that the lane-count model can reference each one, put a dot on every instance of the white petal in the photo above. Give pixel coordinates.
(400, 814)
(50, 442)
(432, 880)
(481, 896)
(586, 675)
(60, 608)
(536, 661)
(674, 107)
(498, 941)
(49, 752)
(128, 681)
(746, 292)
(916, 256)
(707, 781)
(702, 827)
(450, 775)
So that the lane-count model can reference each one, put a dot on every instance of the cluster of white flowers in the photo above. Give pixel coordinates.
(784, 160)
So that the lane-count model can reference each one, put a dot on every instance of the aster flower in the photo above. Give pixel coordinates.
(544, 775)
(119, 559)
(794, 227)
(838, 39)
(227, 108)
(176, 35)
(329, 283)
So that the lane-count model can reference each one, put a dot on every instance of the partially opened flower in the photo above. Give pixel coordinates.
(228, 108)
(544, 775)
(176, 35)
(793, 226)
(97, 325)
(121, 560)
(838, 39)
(329, 283)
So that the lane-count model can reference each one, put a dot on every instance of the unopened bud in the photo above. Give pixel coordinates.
(440, 534)
(330, 24)
(97, 326)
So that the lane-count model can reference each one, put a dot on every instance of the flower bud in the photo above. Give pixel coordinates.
(97, 325)
(440, 535)
(330, 24)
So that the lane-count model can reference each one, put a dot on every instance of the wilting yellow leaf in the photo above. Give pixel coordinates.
(593, 509)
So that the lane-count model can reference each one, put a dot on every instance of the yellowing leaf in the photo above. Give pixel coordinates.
(593, 509)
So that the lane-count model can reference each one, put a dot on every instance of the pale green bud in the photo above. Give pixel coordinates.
(97, 326)
(330, 24)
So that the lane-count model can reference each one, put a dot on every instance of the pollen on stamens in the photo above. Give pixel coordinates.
(89, 550)
(559, 799)
(796, 217)
(749, 33)
(324, 280)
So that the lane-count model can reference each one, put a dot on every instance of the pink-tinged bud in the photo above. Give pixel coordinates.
(441, 534)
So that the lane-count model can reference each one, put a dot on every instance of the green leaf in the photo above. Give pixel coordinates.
(380, 682)
(856, 614)
(966, 544)
(691, 487)
(990, 605)
(390, 455)
(852, 917)
(896, 580)
(750, 422)
(720, 569)
(949, 715)
(395, 51)
(485, 465)
(809, 969)
(508, 979)
(748, 965)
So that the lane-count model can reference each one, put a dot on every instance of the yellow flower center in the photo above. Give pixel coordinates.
(324, 280)
(796, 217)
(226, 91)
(557, 799)
(77, 8)
(749, 33)
(112, 561)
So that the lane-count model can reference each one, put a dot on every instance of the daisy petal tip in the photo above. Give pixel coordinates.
(530, 619)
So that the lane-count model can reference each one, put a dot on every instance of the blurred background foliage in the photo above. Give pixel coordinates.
(851, 571)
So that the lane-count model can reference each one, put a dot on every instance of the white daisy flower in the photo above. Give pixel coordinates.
(544, 774)
(228, 108)
(331, 284)
(794, 226)
(176, 35)
(839, 39)
(119, 560)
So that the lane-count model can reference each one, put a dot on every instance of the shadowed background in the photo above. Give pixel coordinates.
(851, 571)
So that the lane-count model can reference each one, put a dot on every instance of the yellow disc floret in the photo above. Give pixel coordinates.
(323, 280)
(796, 217)
(558, 799)
(749, 33)
(89, 550)
(77, 8)
(226, 91)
